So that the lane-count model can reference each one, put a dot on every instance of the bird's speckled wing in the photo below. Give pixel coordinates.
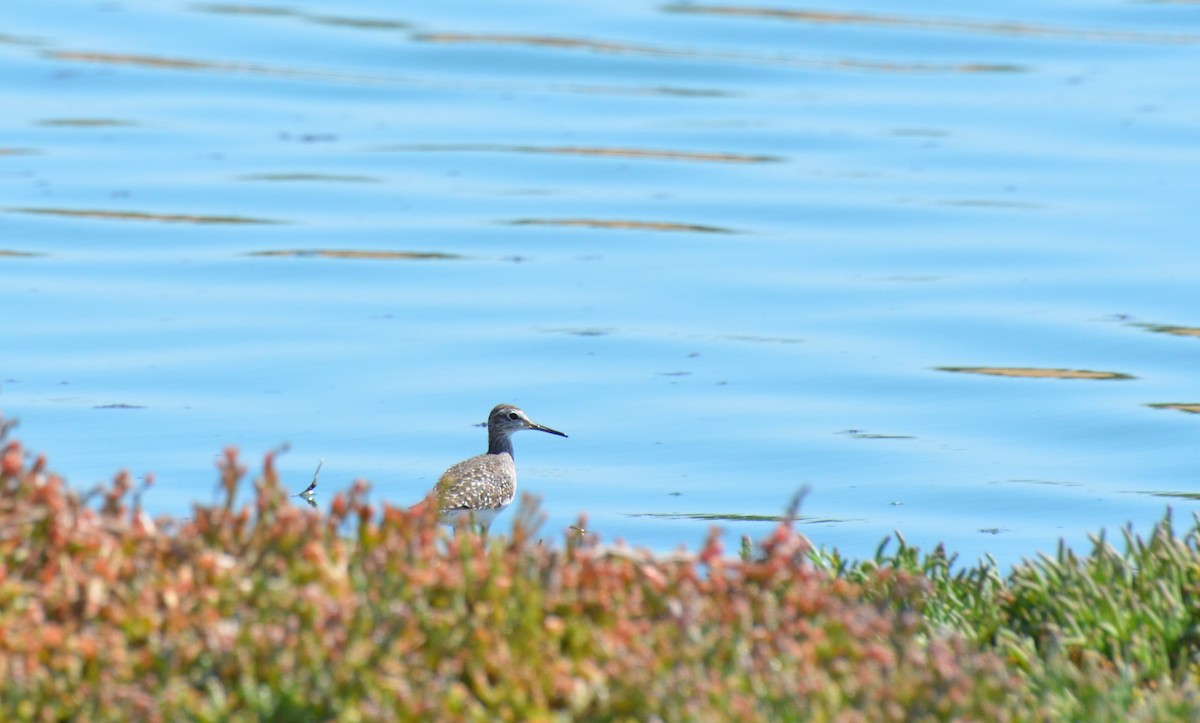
(488, 481)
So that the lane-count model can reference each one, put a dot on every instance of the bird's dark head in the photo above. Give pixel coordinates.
(506, 419)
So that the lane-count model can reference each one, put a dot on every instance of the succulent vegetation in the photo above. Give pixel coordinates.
(270, 610)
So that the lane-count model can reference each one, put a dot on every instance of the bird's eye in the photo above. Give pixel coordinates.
(514, 416)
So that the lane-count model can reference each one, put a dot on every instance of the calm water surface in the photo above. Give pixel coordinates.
(732, 249)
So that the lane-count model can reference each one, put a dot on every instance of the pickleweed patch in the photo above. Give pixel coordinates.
(270, 609)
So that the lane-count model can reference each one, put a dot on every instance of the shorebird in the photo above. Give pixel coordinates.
(479, 488)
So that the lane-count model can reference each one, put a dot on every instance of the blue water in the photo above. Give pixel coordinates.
(726, 253)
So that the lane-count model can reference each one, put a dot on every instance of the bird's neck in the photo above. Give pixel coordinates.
(499, 443)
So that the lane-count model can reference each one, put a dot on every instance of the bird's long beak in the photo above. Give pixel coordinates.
(540, 428)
